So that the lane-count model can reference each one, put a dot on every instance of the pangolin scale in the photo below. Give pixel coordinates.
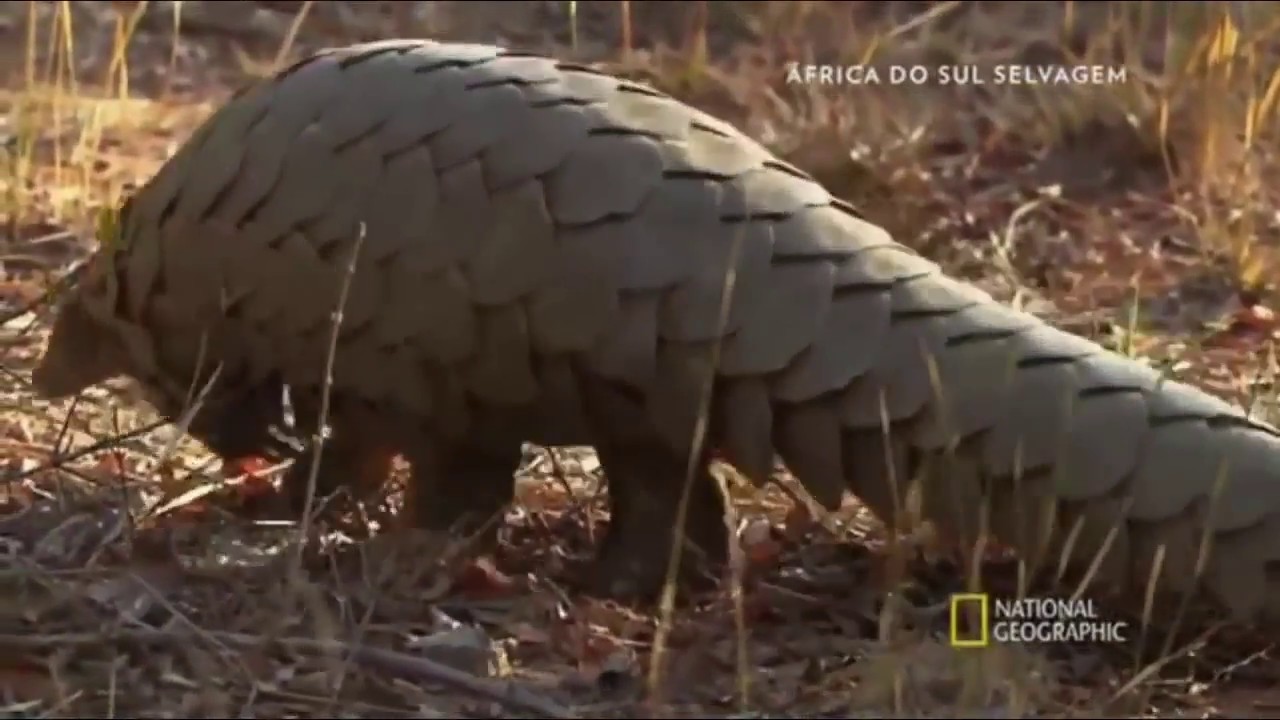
(544, 259)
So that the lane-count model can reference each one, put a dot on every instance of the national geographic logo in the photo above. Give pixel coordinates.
(977, 620)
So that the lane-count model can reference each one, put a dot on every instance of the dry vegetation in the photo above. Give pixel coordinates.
(138, 578)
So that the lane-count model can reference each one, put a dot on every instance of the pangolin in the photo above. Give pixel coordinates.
(535, 251)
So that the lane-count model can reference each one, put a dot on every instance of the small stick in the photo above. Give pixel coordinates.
(507, 693)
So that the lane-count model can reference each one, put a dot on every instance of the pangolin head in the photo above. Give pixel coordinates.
(82, 351)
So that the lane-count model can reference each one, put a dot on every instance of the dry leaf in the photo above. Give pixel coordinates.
(23, 681)
(758, 545)
(798, 523)
(479, 579)
(1258, 317)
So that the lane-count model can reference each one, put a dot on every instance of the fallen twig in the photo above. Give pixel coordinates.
(505, 692)
(104, 444)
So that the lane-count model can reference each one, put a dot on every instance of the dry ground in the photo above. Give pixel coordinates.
(1143, 213)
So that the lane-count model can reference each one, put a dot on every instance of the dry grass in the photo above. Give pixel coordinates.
(1142, 213)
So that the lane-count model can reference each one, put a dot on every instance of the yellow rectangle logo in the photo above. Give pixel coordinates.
(969, 640)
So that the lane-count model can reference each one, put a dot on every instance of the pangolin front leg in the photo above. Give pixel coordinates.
(236, 424)
(456, 483)
(461, 486)
(646, 480)
(356, 454)
(348, 460)
(646, 476)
